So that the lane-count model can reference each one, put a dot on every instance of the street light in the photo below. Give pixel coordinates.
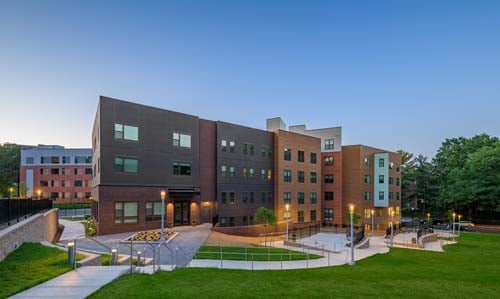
(11, 190)
(428, 220)
(162, 196)
(39, 192)
(392, 228)
(351, 212)
(287, 206)
(459, 217)
(454, 226)
(373, 226)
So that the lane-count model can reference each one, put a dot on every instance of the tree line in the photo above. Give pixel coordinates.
(463, 177)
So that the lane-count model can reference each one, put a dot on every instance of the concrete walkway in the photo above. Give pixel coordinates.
(377, 246)
(75, 284)
(72, 229)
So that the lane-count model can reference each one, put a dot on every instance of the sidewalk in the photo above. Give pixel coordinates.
(75, 284)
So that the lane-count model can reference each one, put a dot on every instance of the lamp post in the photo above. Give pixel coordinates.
(162, 196)
(351, 212)
(39, 193)
(459, 217)
(287, 216)
(454, 226)
(373, 226)
(392, 228)
(428, 221)
(11, 190)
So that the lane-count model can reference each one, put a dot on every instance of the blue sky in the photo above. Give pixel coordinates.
(393, 74)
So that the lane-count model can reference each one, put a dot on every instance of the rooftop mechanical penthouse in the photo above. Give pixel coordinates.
(221, 173)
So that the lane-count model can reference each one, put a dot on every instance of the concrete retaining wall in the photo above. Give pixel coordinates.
(37, 228)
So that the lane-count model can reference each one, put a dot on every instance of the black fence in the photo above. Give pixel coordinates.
(13, 210)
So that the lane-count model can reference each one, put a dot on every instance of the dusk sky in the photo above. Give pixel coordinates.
(393, 74)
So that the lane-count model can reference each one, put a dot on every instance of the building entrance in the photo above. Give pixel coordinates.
(181, 213)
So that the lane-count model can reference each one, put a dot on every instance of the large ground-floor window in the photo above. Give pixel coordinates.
(153, 211)
(126, 212)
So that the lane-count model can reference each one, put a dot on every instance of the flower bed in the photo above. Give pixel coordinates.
(150, 236)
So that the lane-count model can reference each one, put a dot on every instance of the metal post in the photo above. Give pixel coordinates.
(459, 227)
(162, 238)
(373, 226)
(352, 238)
(392, 229)
(131, 255)
(453, 227)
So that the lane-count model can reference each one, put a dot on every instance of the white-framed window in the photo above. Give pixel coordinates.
(126, 132)
(182, 140)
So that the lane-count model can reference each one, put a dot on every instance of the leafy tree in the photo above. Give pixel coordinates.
(477, 184)
(406, 157)
(10, 157)
(265, 216)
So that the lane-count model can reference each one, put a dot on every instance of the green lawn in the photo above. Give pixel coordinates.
(470, 269)
(248, 253)
(29, 265)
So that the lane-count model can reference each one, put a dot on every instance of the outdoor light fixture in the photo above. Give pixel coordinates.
(162, 196)
(428, 220)
(38, 192)
(454, 214)
(287, 216)
(71, 253)
(373, 226)
(351, 212)
(11, 190)
(392, 228)
(114, 256)
(459, 217)
(139, 258)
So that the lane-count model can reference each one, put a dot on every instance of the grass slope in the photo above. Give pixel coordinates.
(470, 269)
(249, 253)
(29, 265)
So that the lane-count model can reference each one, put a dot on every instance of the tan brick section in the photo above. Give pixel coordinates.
(295, 142)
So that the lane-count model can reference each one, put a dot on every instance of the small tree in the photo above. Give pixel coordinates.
(266, 217)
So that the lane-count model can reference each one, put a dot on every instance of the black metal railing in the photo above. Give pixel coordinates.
(13, 210)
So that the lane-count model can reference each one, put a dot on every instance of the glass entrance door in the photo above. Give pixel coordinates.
(181, 213)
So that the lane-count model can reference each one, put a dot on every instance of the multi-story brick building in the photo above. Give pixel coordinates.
(372, 181)
(62, 174)
(298, 176)
(213, 171)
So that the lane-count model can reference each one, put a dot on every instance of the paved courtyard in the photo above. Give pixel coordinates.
(179, 251)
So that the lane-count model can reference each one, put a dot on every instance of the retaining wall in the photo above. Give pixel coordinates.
(37, 228)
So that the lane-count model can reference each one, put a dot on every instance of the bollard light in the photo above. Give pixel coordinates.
(114, 257)
(71, 253)
(139, 258)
